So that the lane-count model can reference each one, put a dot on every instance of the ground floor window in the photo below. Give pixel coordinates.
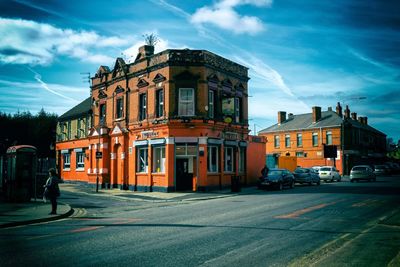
(80, 160)
(142, 159)
(212, 159)
(242, 159)
(159, 159)
(67, 161)
(229, 159)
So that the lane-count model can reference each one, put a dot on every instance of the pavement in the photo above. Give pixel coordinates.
(37, 211)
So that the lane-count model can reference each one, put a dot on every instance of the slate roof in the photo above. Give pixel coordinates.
(305, 121)
(82, 108)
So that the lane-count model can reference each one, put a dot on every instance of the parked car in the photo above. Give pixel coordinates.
(362, 172)
(329, 173)
(381, 170)
(306, 176)
(277, 178)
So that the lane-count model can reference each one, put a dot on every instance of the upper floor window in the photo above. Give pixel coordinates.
(159, 103)
(299, 139)
(186, 102)
(287, 140)
(69, 130)
(80, 129)
(276, 141)
(238, 105)
(142, 107)
(315, 139)
(102, 113)
(119, 109)
(211, 103)
(329, 138)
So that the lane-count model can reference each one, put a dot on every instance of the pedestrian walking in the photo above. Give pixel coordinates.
(51, 190)
(264, 171)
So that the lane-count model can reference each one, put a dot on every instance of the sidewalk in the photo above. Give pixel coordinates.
(155, 196)
(16, 214)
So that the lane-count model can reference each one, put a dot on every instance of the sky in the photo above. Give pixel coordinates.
(300, 54)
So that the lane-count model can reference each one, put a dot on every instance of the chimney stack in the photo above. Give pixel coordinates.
(281, 116)
(316, 114)
(339, 110)
(361, 120)
(366, 120)
(354, 116)
(347, 112)
(145, 51)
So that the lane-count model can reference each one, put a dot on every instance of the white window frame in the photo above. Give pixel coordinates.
(287, 140)
(314, 142)
(142, 159)
(229, 167)
(277, 141)
(212, 155)
(80, 160)
(142, 107)
(329, 140)
(66, 161)
(159, 159)
(184, 106)
(299, 140)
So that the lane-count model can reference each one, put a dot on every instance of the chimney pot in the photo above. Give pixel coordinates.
(347, 112)
(339, 109)
(354, 115)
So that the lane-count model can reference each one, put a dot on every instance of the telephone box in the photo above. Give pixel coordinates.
(20, 180)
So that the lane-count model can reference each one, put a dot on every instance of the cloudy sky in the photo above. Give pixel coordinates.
(300, 53)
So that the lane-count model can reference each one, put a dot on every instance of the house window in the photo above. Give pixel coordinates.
(69, 130)
(80, 160)
(80, 129)
(329, 138)
(212, 159)
(159, 159)
(142, 159)
(287, 140)
(63, 130)
(276, 141)
(237, 109)
(299, 139)
(186, 150)
(159, 103)
(315, 139)
(102, 114)
(229, 159)
(242, 159)
(142, 107)
(119, 110)
(186, 102)
(67, 161)
(300, 154)
(211, 105)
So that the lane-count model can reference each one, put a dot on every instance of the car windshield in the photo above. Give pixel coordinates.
(359, 168)
(325, 169)
(275, 172)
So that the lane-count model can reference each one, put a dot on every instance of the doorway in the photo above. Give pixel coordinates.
(184, 174)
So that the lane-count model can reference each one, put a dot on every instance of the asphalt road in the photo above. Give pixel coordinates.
(334, 224)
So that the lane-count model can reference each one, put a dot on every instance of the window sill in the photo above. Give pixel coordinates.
(66, 169)
(80, 169)
(158, 173)
(120, 119)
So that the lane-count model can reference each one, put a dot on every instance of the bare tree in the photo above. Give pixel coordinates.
(151, 39)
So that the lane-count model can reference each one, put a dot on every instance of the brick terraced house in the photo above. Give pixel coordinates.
(303, 136)
(172, 121)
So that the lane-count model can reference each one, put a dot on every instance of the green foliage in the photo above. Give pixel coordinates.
(23, 128)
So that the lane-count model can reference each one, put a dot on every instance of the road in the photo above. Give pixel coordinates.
(334, 224)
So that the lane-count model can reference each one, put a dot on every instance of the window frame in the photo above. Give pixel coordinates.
(211, 103)
(66, 161)
(231, 167)
(142, 168)
(160, 166)
(287, 140)
(329, 139)
(211, 157)
(142, 106)
(237, 109)
(80, 160)
(242, 160)
(159, 103)
(314, 139)
(277, 141)
(189, 103)
(299, 139)
(119, 111)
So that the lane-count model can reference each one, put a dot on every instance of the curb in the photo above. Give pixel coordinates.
(40, 220)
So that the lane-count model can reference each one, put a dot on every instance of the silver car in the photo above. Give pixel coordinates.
(329, 173)
(362, 172)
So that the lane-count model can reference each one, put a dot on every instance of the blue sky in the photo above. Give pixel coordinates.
(300, 53)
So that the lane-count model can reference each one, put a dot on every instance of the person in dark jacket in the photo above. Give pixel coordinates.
(51, 190)
(264, 171)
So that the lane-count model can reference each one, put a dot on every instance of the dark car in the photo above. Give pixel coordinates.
(381, 170)
(362, 172)
(277, 178)
(306, 176)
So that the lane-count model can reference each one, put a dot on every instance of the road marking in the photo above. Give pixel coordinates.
(85, 229)
(298, 213)
(368, 203)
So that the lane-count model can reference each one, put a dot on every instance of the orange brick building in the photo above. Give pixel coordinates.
(304, 136)
(172, 121)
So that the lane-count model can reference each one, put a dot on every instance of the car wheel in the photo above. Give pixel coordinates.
(292, 185)
(332, 179)
(319, 182)
(351, 180)
(280, 186)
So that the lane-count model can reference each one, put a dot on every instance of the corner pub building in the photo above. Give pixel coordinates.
(172, 121)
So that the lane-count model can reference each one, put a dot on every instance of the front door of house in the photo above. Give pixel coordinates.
(184, 176)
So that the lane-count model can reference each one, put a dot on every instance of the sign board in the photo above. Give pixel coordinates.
(228, 106)
(99, 154)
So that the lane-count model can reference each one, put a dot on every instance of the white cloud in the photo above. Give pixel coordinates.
(29, 42)
(223, 15)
